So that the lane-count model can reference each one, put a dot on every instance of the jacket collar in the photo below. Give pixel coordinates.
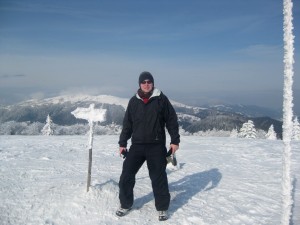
(156, 92)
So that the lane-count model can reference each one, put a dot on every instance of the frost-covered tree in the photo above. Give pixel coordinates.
(296, 129)
(260, 134)
(183, 132)
(48, 128)
(271, 135)
(12, 128)
(248, 130)
(33, 129)
(114, 128)
(234, 133)
(76, 129)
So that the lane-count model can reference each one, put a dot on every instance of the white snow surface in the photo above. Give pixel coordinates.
(108, 99)
(105, 99)
(217, 181)
(90, 114)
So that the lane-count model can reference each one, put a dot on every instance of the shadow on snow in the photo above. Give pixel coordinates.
(186, 188)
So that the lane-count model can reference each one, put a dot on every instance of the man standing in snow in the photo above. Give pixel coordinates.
(148, 113)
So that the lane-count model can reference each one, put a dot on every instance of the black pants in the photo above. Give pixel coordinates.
(155, 155)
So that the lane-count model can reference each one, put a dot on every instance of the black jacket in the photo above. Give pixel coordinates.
(145, 123)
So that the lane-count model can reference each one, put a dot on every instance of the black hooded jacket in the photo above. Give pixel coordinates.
(145, 123)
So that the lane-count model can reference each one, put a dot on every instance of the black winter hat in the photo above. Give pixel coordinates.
(145, 76)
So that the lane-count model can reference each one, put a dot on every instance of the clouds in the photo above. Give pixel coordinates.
(262, 51)
(13, 76)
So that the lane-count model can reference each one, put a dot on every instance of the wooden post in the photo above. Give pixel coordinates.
(92, 115)
(89, 170)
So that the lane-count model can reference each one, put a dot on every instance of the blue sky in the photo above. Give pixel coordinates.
(198, 51)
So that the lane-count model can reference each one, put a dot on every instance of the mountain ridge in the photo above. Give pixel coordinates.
(255, 111)
(191, 118)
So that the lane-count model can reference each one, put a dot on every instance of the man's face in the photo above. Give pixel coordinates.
(146, 86)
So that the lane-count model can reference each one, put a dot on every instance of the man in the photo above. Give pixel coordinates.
(148, 113)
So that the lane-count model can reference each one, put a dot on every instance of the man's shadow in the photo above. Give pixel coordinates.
(189, 186)
(186, 188)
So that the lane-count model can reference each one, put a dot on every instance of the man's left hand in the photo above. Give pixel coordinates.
(174, 148)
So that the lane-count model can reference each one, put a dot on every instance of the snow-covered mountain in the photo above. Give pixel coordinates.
(102, 99)
(191, 118)
(78, 99)
(247, 110)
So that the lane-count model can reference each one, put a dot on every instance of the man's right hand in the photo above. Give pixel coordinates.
(123, 152)
(121, 149)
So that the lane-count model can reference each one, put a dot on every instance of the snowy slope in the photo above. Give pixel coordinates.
(107, 99)
(219, 181)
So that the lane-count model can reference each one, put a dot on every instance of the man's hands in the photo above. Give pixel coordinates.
(121, 149)
(171, 158)
(174, 148)
(123, 152)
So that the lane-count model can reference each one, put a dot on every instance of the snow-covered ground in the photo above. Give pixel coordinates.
(218, 181)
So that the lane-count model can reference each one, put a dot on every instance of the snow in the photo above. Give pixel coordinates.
(187, 117)
(105, 99)
(218, 181)
(90, 114)
(181, 105)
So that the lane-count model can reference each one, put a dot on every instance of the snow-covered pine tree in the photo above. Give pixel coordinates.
(48, 128)
(248, 130)
(234, 133)
(271, 135)
(296, 129)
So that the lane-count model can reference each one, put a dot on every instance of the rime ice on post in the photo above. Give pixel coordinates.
(287, 126)
(92, 115)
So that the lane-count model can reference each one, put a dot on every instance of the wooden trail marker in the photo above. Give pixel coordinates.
(92, 115)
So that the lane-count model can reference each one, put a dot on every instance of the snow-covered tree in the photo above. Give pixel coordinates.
(296, 129)
(234, 133)
(114, 128)
(48, 128)
(248, 130)
(12, 128)
(183, 132)
(271, 135)
(33, 129)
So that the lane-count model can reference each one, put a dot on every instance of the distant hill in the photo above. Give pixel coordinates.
(192, 119)
(247, 110)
